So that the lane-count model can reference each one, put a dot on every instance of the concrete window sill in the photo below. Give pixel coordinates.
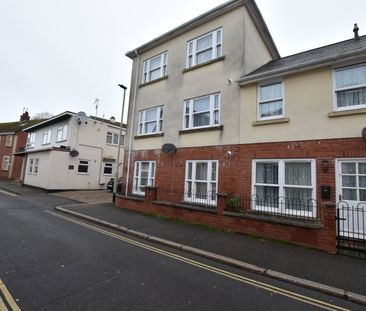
(346, 113)
(273, 121)
(149, 136)
(202, 129)
(153, 81)
(188, 206)
(204, 64)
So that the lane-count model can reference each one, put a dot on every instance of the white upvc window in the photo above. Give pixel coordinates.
(270, 101)
(36, 165)
(30, 166)
(9, 141)
(46, 139)
(284, 186)
(62, 133)
(83, 167)
(112, 138)
(204, 48)
(6, 163)
(155, 67)
(201, 181)
(350, 87)
(31, 139)
(150, 121)
(144, 175)
(202, 111)
(108, 168)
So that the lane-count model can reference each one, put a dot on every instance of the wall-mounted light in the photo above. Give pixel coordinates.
(325, 165)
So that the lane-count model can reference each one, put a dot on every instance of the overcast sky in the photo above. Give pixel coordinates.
(58, 55)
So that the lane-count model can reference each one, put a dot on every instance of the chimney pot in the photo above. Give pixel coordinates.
(355, 30)
(24, 116)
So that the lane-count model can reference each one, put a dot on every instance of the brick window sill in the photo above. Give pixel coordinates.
(202, 129)
(204, 64)
(273, 121)
(302, 223)
(346, 113)
(153, 81)
(149, 136)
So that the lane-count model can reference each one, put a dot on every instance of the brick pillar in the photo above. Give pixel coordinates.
(329, 237)
(151, 194)
(221, 202)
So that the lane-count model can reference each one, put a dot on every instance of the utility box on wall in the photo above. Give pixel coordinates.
(325, 192)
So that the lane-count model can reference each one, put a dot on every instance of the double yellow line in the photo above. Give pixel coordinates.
(233, 276)
(6, 300)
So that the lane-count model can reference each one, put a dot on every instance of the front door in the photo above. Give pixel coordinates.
(351, 197)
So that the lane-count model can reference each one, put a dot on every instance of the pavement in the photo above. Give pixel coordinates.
(337, 275)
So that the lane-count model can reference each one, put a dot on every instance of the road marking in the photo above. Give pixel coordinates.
(8, 193)
(237, 277)
(8, 299)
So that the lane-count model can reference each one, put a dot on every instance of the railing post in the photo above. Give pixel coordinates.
(221, 202)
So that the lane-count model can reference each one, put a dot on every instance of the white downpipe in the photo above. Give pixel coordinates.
(132, 124)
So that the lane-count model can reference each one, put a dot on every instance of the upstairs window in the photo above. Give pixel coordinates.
(350, 87)
(270, 103)
(112, 138)
(202, 111)
(150, 121)
(204, 48)
(155, 67)
(6, 163)
(46, 137)
(61, 133)
(9, 141)
(31, 139)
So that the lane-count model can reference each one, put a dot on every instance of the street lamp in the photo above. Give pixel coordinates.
(119, 144)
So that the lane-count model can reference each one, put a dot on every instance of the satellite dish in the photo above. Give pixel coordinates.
(81, 117)
(169, 148)
(74, 153)
(363, 134)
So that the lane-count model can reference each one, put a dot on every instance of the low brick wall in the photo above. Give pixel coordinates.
(319, 234)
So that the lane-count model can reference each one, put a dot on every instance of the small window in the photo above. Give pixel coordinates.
(155, 67)
(144, 175)
(6, 163)
(83, 167)
(150, 121)
(350, 87)
(30, 166)
(112, 138)
(62, 133)
(36, 165)
(31, 139)
(46, 137)
(204, 48)
(108, 168)
(270, 103)
(201, 182)
(9, 141)
(202, 111)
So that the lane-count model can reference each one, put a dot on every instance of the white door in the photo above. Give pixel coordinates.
(351, 197)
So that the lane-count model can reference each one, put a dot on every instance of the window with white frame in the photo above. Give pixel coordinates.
(204, 48)
(30, 166)
(6, 163)
(61, 133)
(144, 175)
(350, 87)
(202, 111)
(270, 101)
(155, 67)
(150, 121)
(36, 165)
(284, 186)
(108, 168)
(31, 139)
(201, 181)
(83, 167)
(46, 139)
(9, 141)
(112, 138)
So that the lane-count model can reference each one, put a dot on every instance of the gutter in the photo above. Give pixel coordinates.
(350, 56)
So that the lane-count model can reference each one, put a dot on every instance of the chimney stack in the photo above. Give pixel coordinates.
(24, 116)
(355, 30)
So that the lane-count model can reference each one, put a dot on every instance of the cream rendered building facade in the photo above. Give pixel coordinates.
(69, 153)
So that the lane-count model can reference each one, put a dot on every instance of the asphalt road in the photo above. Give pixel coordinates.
(52, 262)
